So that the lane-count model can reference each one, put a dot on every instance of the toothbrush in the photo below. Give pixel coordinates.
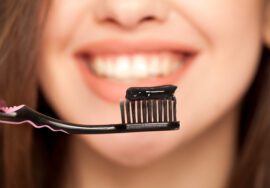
(145, 109)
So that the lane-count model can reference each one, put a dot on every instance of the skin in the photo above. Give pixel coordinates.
(229, 35)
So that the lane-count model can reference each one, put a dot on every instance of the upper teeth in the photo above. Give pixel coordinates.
(135, 66)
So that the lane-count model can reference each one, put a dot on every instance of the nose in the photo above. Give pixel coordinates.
(129, 14)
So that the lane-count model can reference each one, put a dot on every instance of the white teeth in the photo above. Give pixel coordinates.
(122, 68)
(137, 66)
(109, 68)
(154, 63)
(99, 66)
(165, 65)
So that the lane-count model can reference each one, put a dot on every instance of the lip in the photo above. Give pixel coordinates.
(114, 91)
(134, 46)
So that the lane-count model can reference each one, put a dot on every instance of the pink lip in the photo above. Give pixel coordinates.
(120, 46)
(114, 91)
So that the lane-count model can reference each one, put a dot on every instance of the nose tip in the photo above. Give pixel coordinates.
(130, 14)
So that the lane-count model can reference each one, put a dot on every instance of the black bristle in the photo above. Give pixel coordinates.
(154, 111)
(122, 109)
(148, 111)
(133, 111)
(144, 110)
(139, 111)
(165, 110)
(149, 108)
(174, 109)
(160, 114)
(170, 110)
(128, 111)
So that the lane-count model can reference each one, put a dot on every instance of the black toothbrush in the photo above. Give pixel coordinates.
(145, 109)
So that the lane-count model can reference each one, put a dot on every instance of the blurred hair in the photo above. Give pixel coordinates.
(252, 167)
(27, 158)
(34, 159)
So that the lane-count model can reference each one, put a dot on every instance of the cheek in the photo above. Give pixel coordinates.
(62, 21)
(225, 24)
(223, 72)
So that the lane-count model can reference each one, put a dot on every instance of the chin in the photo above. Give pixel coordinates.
(133, 149)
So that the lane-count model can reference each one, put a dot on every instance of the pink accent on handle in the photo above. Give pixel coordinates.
(10, 109)
(34, 125)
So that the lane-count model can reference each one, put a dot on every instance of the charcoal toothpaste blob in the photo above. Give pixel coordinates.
(144, 109)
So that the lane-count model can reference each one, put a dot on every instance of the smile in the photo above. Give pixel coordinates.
(113, 68)
(132, 67)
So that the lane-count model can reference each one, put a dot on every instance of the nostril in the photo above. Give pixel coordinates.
(148, 18)
(129, 23)
(129, 14)
(111, 20)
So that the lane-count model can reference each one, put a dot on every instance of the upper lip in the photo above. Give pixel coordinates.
(135, 46)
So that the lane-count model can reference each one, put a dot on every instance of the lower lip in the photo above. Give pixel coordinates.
(114, 91)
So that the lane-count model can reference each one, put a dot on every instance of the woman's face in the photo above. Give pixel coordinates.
(95, 49)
